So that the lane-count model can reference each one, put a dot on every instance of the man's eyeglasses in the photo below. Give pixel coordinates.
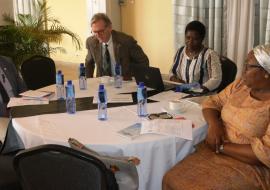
(162, 115)
(99, 32)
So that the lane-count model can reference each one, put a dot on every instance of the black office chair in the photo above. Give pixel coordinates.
(54, 167)
(229, 71)
(8, 177)
(38, 71)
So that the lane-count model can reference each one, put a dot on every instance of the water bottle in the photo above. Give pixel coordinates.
(118, 76)
(102, 103)
(194, 86)
(142, 100)
(70, 98)
(82, 77)
(60, 90)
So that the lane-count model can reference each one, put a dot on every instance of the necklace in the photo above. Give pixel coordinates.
(194, 54)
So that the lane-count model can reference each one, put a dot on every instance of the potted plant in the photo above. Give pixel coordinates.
(29, 35)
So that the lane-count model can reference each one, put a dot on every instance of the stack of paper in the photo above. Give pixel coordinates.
(34, 94)
(31, 97)
(24, 102)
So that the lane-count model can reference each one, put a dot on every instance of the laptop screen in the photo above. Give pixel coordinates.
(151, 77)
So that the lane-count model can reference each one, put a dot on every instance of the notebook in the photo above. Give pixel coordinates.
(151, 77)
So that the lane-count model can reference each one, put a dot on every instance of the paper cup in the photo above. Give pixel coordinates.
(178, 106)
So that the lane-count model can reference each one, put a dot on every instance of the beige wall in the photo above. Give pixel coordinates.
(150, 22)
(73, 15)
(6, 6)
(113, 11)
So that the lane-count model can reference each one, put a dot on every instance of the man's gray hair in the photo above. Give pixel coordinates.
(101, 16)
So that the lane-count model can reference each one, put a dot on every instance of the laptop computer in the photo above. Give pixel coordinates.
(151, 77)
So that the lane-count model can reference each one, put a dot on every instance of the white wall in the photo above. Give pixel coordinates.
(73, 15)
(150, 22)
(76, 16)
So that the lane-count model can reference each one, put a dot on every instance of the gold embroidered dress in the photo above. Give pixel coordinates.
(246, 121)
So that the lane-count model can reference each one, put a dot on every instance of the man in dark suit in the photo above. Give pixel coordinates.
(108, 47)
(11, 84)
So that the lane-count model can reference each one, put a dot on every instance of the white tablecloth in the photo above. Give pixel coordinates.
(157, 153)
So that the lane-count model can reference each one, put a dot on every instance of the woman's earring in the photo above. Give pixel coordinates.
(266, 76)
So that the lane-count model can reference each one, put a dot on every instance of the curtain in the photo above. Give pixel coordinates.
(240, 30)
(262, 22)
(24, 6)
(209, 12)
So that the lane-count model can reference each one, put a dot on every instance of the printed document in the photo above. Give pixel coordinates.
(173, 127)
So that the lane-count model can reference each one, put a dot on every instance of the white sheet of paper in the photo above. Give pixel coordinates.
(23, 102)
(173, 127)
(167, 96)
(117, 98)
(199, 90)
(35, 94)
(120, 98)
(127, 87)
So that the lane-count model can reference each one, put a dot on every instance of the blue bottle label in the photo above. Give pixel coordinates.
(101, 96)
(70, 99)
(117, 69)
(144, 93)
(142, 101)
(58, 79)
(82, 71)
(70, 91)
(141, 94)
